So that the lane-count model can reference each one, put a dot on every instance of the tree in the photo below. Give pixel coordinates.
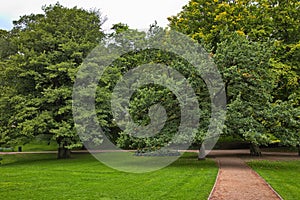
(283, 120)
(145, 103)
(7, 90)
(248, 83)
(258, 22)
(7, 47)
(49, 49)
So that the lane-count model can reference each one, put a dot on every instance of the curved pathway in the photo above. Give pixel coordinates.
(237, 181)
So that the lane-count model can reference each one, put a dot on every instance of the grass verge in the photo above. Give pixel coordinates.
(283, 176)
(41, 176)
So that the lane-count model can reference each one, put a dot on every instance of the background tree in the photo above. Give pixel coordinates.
(7, 89)
(145, 97)
(248, 83)
(41, 72)
(283, 120)
(259, 21)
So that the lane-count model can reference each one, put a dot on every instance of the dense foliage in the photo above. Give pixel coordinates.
(254, 43)
(256, 46)
(143, 104)
(38, 68)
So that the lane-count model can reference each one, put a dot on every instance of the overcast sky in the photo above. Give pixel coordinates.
(136, 13)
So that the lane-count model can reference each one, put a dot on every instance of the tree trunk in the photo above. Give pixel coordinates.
(255, 150)
(63, 153)
(298, 150)
(201, 155)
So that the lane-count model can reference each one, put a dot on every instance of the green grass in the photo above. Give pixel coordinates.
(39, 145)
(284, 177)
(35, 145)
(41, 176)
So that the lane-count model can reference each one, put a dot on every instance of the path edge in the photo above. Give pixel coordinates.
(256, 174)
(216, 180)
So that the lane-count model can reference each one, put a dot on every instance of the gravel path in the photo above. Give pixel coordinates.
(237, 181)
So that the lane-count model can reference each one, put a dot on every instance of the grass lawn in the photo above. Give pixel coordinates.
(35, 145)
(39, 145)
(41, 176)
(284, 177)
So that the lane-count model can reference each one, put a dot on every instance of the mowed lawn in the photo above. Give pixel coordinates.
(283, 176)
(42, 176)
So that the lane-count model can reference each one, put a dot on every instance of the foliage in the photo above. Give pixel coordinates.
(39, 75)
(283, 120)
(249, 83)
(256, 72)
(257, 19)
(145, 97)
(255, 44)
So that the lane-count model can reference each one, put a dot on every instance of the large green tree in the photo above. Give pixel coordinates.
(248, 83)
(143, 103)
(258, 21)
(40, 72)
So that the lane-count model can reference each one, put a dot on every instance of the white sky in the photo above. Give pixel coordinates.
(137, 14)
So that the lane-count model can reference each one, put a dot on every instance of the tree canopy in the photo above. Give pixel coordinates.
(39, 72)
(255, 43)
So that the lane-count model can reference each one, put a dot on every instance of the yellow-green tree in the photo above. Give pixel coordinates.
(212, 23)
